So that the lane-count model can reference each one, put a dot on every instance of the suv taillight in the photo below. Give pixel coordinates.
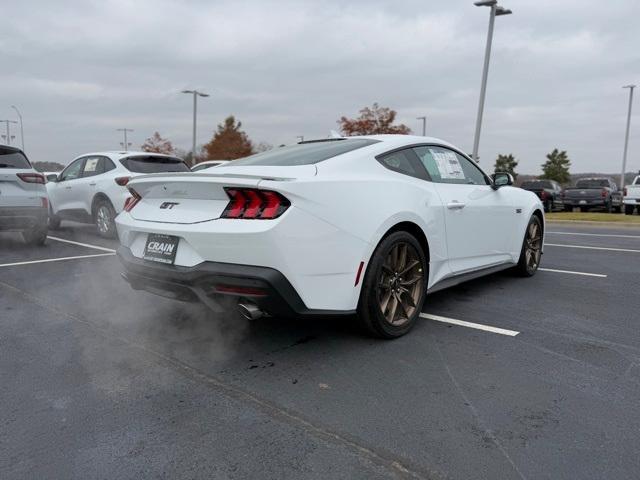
(603, 193)
(122, 181)
(252, 203)
(543, 194)
(624, 192)
(131, 201)
(31, 177)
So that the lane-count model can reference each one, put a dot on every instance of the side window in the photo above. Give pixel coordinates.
(92, 166)
(401, 161)
(108, 164)
(73, 171)
(447, 166)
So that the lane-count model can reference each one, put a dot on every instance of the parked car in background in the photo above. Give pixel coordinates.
(338, 226)
(92, 188)
(49, 174)
(548, 191)
(23, 197)
(208, 164)
(631, 197)
(593, 193)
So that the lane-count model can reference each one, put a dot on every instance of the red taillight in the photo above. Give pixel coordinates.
(31, 177)
(252, 203)
(131, 201)
(604, 193)
(624, 192)
(122, 181)
(543, 194)
(233, 289)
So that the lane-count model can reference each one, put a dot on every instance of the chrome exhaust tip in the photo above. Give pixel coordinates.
(249, 311)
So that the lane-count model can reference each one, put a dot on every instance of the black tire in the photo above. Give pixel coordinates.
(104, 219)
(608, 208)
(370, 313)
(526, 267)
(617, 209)
(584, 209)
(568, 208)
(36, 236)
(628, 209)
(546, 206)
(54, 220)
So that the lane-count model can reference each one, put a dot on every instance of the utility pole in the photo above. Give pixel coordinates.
(125, 130)
(7, 122)
(195, 94)
(424, 125)
(626, 135)
(21, 128)
(496, 10)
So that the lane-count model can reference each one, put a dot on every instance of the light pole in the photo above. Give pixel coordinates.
(21, 129)
(496, 10)
(626, 135)
(195, 94)
(125, 130)
(7, 122)
(424, 125)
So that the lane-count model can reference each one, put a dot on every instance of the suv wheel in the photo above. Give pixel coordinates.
(628, 209)
(394, 286)
(54, 220)
(105, 219)
(35, 236)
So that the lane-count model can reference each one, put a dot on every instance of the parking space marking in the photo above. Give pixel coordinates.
(88, 245)
(599, 275)
(477, 326)
(587, 247)
(48, 260)
(596, 234)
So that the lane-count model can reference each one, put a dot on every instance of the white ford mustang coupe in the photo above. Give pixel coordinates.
(360, 225)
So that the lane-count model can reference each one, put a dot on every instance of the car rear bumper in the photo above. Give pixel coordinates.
(584, 202)
(265, 287)
(22, 218)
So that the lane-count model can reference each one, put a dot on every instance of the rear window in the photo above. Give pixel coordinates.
(536, 184)
(592, 183)
(305, 153)
(10, 158)
(154, 164)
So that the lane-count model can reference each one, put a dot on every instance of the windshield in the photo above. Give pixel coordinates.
(10, 158)
(154, 164)
(538, 184)
(305, 153)
(597, 183)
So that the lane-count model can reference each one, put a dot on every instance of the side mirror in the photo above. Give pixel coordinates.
(501, 179)
(52, 177)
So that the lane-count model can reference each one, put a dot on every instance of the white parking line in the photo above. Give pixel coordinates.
(88, 245)
(599, 275)
(477, 326)
(587, 247)
(47, 260)
(595, 234)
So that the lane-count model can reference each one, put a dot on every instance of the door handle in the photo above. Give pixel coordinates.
(455, 205)
(93, 184)
(68, 187)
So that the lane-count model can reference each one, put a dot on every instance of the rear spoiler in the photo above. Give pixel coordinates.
(192, 175)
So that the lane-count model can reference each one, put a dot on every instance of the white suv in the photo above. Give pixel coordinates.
(92, 188)
(23, 197)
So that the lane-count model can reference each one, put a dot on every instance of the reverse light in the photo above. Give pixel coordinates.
(122, 181)
(31, 177)
(131, 201)
(252, 203)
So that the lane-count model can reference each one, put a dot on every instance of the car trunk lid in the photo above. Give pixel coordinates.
(15, 192)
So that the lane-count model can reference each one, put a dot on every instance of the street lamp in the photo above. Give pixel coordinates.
(626, 135)
(21, 129)
(125, 144)
(195, 94)
(424, 125)
(496, 10)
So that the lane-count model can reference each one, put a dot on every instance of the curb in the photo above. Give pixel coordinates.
(595, 223)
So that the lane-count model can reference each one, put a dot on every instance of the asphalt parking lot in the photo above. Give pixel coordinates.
(99, 381)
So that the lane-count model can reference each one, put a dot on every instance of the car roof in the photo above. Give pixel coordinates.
(391, 141)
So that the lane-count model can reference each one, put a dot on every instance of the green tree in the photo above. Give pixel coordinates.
(229, 142)
(506, 163)
(557, 166)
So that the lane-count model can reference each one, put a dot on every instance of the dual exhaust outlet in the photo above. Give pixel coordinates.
(250, 311)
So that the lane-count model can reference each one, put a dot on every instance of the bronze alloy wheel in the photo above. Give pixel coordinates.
(533, 246)
(400, 284)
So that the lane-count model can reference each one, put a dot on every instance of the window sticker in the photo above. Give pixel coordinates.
(448, 164)
(91, 165)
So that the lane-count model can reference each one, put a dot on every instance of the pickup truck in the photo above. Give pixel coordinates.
(632, 196)
(548, 191)
(590, 193)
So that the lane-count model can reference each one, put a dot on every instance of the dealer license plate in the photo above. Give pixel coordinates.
(161, 248)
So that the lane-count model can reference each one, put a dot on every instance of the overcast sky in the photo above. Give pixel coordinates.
(79, 70)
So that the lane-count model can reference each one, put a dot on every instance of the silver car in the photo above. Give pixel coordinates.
(24, 206)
